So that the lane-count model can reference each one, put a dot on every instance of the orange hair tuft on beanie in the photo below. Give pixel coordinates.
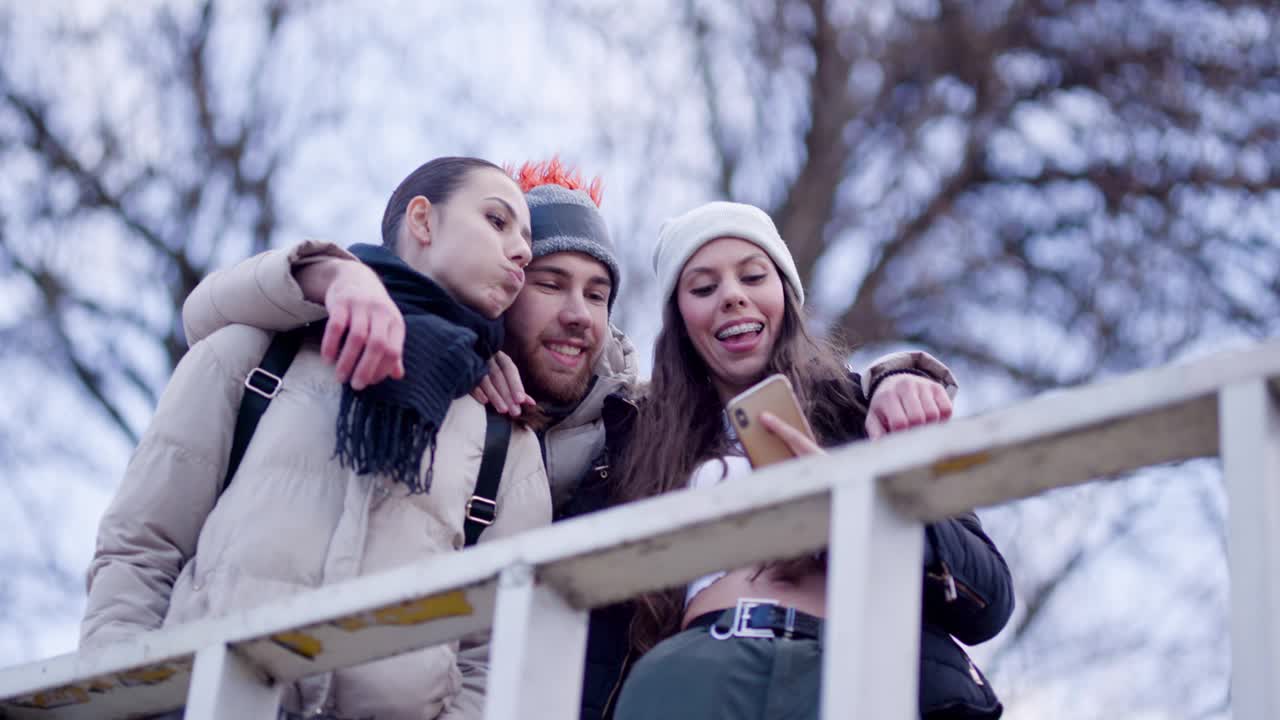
(552, 172)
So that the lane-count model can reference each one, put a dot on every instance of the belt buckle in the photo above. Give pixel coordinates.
(741, 626)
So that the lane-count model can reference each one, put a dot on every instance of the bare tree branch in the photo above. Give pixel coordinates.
(728, 154)
(93, 193)
(811, 198)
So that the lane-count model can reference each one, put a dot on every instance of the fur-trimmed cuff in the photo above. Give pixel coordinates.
(871, 393)
(918, 360)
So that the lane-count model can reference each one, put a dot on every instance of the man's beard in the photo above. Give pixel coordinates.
(545, 386)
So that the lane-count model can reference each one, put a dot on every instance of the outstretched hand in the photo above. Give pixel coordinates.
(906, 401)
(503, 387)
(365, 333)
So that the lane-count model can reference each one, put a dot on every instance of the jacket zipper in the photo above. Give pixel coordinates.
(953, 588)
(614, 692)
(626, 660)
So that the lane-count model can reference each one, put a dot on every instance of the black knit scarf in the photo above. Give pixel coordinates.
(389, 427)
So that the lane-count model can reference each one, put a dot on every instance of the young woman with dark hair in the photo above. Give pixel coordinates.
(732, 316)
(338, 482)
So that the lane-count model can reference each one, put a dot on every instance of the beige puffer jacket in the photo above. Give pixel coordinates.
(291, 520)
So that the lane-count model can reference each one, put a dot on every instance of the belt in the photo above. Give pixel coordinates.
(760, 619)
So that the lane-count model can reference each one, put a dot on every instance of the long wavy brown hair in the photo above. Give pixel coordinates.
(681, 424)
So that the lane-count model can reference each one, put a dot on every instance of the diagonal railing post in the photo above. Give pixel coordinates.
(872, 641)
(537, 652)
(1249, 427)
(226, 685)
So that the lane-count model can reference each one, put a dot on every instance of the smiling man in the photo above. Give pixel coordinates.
(557, 342)
(568, 357)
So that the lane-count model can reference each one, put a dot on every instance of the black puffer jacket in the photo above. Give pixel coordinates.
(608, 631)
(967, 594)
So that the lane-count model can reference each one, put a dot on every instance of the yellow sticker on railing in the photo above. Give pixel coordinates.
(55, 698)
(299, 643)
(412, 612)
(307, 643)
(78, 694)
(351, 624)
(960, 463)
(416, 612)
(153, 675)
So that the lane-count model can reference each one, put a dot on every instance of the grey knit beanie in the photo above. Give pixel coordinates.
(567, 220)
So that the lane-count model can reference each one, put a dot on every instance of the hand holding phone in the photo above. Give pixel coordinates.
(798, 441)
(775, 396)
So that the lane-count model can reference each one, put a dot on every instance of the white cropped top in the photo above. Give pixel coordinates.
(710, 473)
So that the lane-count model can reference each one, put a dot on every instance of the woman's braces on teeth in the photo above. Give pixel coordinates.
(739, 329)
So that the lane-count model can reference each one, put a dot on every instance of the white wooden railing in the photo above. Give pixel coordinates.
(867, 501)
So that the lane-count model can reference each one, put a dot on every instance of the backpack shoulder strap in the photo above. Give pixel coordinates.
(482, 508)
(261, 385)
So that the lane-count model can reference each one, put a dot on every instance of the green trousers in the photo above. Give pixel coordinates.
(693, 675)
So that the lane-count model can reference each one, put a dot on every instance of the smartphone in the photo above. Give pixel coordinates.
(773, 394)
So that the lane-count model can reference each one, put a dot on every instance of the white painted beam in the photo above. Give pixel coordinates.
(340, 625)
(1250, 419)
(872, 643)
(377, 633)
(151, 685)
(226, 685)
(536, 656)
(673, 539)
(1008, 469)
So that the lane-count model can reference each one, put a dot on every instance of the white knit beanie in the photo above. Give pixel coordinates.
(683, 235)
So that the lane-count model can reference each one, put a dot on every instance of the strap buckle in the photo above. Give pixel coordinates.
(741, 626)
(489, 507)
(272, 381)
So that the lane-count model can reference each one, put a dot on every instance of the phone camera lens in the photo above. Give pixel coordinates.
(741, 416)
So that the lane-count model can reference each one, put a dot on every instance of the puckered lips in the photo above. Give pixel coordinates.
(568, 352)
(513, 280)
(740, 335)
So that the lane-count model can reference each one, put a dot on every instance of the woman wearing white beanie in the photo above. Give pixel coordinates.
(732, 316)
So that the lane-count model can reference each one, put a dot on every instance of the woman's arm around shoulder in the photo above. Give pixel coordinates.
(262, 291)
(285, 289)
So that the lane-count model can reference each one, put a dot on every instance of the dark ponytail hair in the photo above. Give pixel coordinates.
(436, 181)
